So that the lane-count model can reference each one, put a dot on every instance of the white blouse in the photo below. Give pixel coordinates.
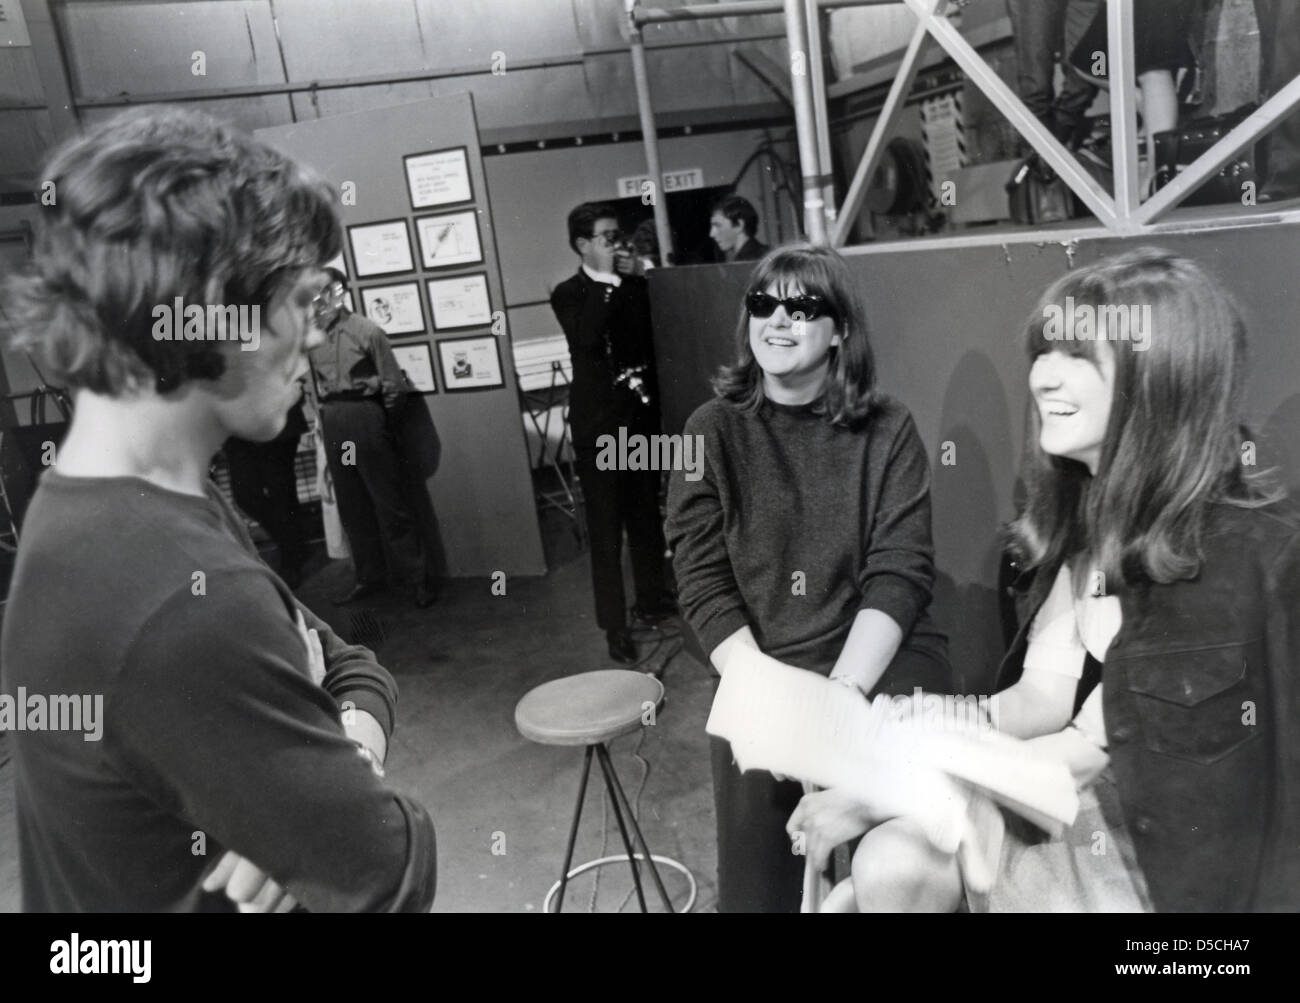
(1064, 632)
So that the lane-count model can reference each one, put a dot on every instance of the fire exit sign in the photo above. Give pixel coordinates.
(674, 181)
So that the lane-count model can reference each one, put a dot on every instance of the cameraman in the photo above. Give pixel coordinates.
(605, 312)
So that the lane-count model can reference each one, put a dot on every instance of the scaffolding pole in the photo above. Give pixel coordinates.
(814, 210)
(649, 137)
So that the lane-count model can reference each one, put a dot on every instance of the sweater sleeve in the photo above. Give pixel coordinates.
(216, 717)
(706, 581)
(351, 671)
(898, 570)
(353, 675)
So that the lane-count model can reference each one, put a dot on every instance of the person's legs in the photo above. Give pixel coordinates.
(600, 494)
(1159, 113)
(418, 453)
(1036, 27)
(342, 422)
(1279, 52)
(1076, 93)
(377, 464)
(284, 514)
(758, 870)
(639, 502)
(896, 869)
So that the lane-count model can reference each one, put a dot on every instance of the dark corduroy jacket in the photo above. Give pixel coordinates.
(1202, 706)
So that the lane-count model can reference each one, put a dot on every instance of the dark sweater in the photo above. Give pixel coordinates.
(211, 721)
(784, 491)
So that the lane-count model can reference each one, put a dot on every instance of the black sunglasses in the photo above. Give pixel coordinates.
(809, 306)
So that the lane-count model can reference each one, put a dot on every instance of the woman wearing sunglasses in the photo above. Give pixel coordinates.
(808, 535)
(1161, 638)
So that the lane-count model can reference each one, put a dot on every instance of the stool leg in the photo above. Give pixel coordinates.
(636, 829)
(611, 782)
(573, 829)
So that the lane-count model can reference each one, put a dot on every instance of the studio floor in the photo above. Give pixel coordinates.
(501, 804)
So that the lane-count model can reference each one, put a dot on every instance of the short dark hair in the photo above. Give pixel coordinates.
(849, 398)
(152, 205)
(337, 276)
(582, 220)
(738, 210)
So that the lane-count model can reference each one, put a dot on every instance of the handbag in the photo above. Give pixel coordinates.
(1176, 149)
(1036, 194)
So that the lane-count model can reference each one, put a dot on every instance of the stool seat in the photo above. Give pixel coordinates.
(588, 708)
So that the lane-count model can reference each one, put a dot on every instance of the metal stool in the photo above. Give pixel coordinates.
(590, 709)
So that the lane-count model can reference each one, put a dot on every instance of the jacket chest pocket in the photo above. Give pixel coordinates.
(1199, 704)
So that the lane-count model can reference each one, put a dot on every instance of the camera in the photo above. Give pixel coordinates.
(633, 378)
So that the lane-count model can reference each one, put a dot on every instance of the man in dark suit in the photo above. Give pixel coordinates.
(605, 312)
(732, 226)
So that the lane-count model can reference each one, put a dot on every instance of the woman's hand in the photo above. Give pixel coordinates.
(1071, 746)
(827, 819)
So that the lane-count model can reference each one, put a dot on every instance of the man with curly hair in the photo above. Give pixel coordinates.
(235, 726)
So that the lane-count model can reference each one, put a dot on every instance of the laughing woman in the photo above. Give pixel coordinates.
(1160, 650)
(808, 536)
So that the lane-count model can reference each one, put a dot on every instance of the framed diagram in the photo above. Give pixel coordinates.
(381, 248)
(461, 301)
(417, 362)
(449, 239)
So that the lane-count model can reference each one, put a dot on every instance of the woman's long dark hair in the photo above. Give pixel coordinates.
(1174, 441)
(849, 395)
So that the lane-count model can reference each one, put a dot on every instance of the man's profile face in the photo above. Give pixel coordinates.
(259, 387)
(598, 250)
(726, 234)
(329, 303)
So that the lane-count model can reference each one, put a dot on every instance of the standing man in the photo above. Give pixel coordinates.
(605, 312)
(362, 392)
(732, 226)
(228, 754)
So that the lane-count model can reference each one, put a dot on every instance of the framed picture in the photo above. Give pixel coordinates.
(451, 239)
(381, 248)
(460, 302)
(396, 308)
(417, 362)
(439, 178)
(471, 363)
